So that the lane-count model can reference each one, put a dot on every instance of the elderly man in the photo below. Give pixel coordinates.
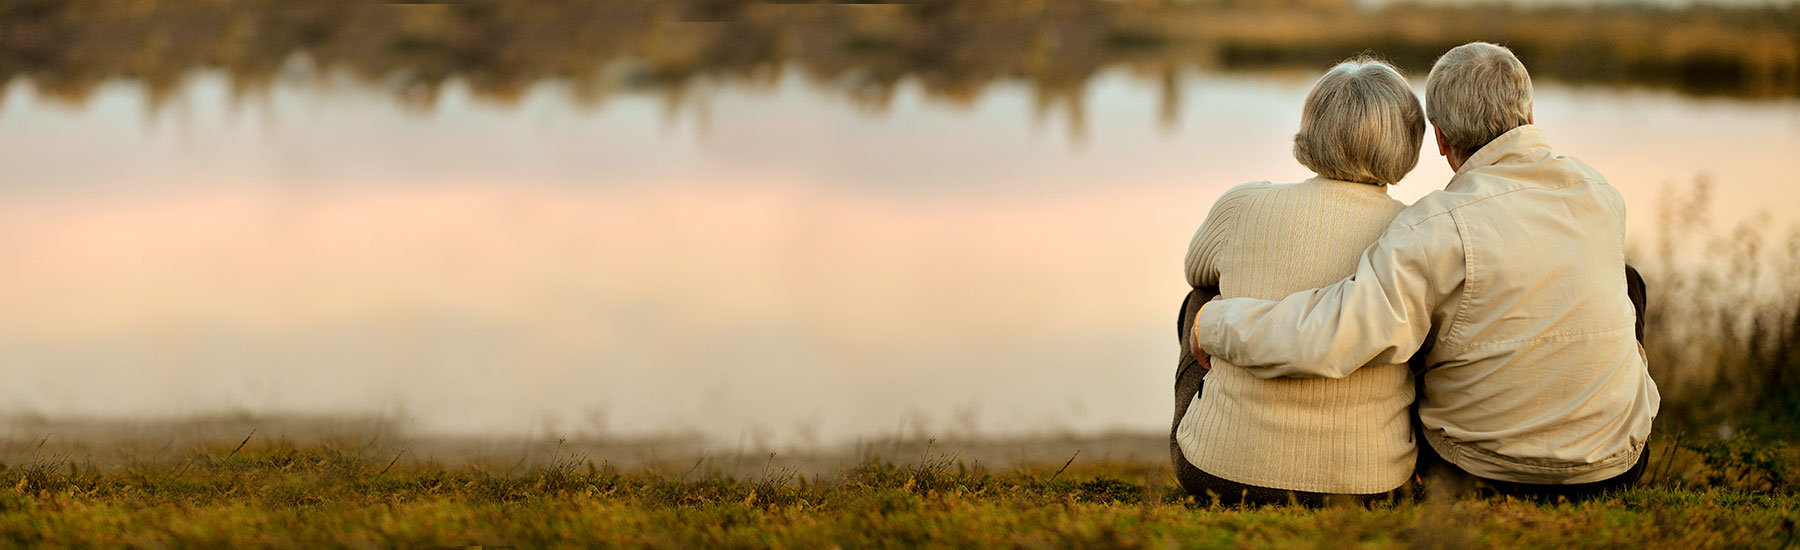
(1507, 287)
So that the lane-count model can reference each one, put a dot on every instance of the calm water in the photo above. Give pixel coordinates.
(774, 265)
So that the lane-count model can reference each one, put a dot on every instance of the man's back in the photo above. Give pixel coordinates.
(1535, 373)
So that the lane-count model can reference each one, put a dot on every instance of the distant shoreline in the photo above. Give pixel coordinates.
(953, 49)
(110, 443)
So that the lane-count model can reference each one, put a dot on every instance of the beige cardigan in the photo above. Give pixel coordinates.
(1330, 436)
(1512, 279)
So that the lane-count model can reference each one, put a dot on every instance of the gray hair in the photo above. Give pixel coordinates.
(1476, 92)
(1361, 123)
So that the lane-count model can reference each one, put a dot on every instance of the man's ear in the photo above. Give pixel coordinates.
(1443, 144)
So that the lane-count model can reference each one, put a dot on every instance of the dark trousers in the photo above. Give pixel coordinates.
(1189, 380)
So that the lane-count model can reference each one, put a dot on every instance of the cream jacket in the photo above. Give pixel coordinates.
(1511, 282)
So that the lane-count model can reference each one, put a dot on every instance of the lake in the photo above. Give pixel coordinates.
(775, 264)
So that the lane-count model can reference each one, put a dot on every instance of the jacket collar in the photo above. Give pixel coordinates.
(1514, 143)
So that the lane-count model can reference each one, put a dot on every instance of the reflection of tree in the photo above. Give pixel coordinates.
(951, 49)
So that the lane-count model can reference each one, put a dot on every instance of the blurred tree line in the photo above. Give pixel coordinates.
(951, 48)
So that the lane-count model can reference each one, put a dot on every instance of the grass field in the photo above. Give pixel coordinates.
(1700, 495)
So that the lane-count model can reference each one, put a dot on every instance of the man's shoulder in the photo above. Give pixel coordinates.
(1476, 188)
(1578, 168)
(1433, 207)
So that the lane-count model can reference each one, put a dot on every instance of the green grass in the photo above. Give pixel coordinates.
(284, 496)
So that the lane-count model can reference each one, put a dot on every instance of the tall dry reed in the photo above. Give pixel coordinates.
(1721, 329)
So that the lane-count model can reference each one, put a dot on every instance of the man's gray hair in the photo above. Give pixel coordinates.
(1476, 92)
(1361, 123)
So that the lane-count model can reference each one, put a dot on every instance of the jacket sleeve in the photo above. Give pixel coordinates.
(1380, 315)
(1207, 249)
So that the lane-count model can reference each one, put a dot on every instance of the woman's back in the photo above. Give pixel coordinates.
(1319, 435)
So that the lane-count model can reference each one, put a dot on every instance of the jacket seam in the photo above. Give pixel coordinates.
(1474, 201)
(1452, 333)
(1548, 337)
(1461, 319)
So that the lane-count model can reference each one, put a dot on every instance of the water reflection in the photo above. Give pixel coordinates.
(780, 265)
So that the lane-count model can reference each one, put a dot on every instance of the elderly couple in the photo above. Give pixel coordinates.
(1339, 343)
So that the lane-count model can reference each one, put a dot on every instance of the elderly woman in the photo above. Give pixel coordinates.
(1238, 438)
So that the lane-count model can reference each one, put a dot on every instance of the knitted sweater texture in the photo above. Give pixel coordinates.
(1350, 435)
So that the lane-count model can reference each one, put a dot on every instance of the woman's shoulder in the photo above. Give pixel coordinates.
(1249, 187)
(1243, 191)
(1286, 202)
(1362, 196)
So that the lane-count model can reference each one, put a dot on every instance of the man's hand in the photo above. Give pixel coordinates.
(1204, 359)
(1194, 343)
